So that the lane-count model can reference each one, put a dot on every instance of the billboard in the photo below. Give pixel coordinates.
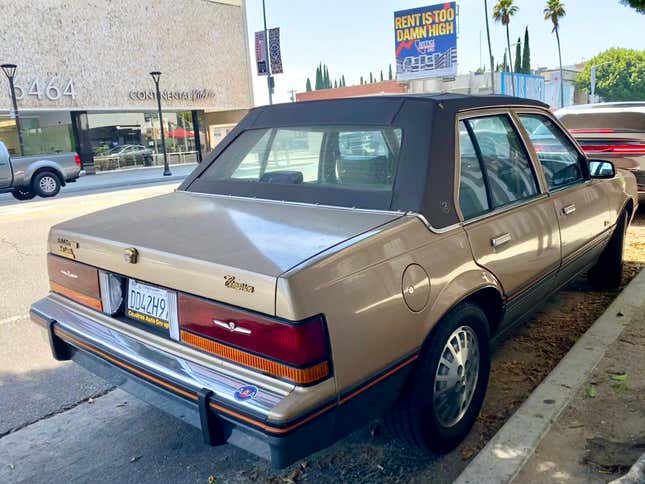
(425, 41)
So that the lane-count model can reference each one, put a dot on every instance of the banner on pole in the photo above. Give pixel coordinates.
(261, 53)
(425, 41)
(274, 51)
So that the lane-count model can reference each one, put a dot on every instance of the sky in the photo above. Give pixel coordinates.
(354, 37)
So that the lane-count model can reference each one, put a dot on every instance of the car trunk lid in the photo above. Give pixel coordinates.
(223, 248)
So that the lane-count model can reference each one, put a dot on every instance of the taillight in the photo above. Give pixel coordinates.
(111, 287)
(591, 130)
(624, 149)
(77, 160)
(298, 352)
(75, 281)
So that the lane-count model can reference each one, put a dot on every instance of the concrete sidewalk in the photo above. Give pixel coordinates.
(585, 423)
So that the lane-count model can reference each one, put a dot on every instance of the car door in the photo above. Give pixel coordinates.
(580, 204)
(6, 175)
(509, 220)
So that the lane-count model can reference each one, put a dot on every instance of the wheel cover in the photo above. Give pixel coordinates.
(456, 376)
(47, 184)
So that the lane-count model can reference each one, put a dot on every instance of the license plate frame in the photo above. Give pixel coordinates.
(144, 305)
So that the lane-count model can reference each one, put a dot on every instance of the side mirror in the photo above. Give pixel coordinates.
(601, 169)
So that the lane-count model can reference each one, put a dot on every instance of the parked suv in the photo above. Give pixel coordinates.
(279, 308)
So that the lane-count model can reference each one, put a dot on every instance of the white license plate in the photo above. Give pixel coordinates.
(151, 305)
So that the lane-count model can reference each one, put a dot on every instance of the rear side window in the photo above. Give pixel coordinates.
(334, 156)
(473, 199)
(560, 161)
(506, 165)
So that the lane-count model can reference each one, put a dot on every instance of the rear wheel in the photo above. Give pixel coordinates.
(46, 184)
(608, 271)
(23, 194)
(445, 392)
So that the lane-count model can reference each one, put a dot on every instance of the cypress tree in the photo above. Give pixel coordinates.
(326, 83)
(505, 63)
(318, 77)
(526, 55)
(371, 78)
(381, 75)
(518, 56)
(308, 85)
(361, 80)
(342, 80)
(335, 84)
(389, 74)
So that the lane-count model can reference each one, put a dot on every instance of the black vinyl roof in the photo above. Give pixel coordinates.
(425, 178)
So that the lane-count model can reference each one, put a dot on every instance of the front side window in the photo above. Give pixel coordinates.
(331, 157)
(559, 159)
(506, 164)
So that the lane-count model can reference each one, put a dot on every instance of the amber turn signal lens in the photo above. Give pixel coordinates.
(301, 376)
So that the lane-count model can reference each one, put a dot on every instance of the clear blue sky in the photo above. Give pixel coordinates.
(355, 36)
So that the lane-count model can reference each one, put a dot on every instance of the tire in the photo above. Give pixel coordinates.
(46, 184)
(23, 194)
(419, 417)
(607, 273)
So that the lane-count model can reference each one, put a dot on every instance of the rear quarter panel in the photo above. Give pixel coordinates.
(619, 191)
(359, 290)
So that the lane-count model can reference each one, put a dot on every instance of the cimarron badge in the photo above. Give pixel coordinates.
(232, 283)
(66, 247)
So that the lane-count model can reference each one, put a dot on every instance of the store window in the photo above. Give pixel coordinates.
(47, 132)
(128, 140)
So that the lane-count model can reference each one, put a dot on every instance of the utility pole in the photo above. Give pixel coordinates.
(293, 94)
(266, 47)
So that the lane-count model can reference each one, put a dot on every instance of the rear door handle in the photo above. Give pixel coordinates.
(501, 240)
(569, 209)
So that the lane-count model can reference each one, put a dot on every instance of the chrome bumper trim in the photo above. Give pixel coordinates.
(188, 373)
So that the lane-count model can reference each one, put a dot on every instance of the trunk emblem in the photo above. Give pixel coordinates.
(231, 283)
(69, 274)
(231, 326)
(131, 255)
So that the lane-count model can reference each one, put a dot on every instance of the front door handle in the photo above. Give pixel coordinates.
(501, 240)
(569, 209)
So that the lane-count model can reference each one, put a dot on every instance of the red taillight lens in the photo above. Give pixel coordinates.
(635, 149)
(77, 159)
(301, 349)
(75, 281)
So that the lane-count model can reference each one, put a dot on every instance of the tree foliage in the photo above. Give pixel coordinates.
(308, 85)
(638, 5)
(389, 72)
(621, 77)
(518, 57)
(526, 54)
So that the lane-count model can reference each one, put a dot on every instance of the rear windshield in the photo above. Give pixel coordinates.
(337, 165)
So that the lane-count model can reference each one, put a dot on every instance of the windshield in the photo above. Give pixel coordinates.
(302, 161)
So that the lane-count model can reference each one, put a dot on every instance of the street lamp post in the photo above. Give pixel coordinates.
(266, 50)
(10, 72)
(592, 79)
(166, 169)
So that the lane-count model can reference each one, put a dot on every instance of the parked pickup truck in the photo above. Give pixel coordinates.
(43, 175)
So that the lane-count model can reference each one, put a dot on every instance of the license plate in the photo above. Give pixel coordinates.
(151, 305)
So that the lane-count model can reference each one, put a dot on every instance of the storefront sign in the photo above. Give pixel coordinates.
(53, 88)
(192, 95)
(425, 41)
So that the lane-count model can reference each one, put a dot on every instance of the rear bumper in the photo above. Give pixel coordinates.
(204, 397)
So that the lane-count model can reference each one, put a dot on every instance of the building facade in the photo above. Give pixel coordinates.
(82, 82)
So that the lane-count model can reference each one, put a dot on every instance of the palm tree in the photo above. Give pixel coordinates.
(502, 12)
(490, 50)
(554, 11)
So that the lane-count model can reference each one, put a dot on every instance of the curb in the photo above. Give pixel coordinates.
(507, 452)
(129, 183)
